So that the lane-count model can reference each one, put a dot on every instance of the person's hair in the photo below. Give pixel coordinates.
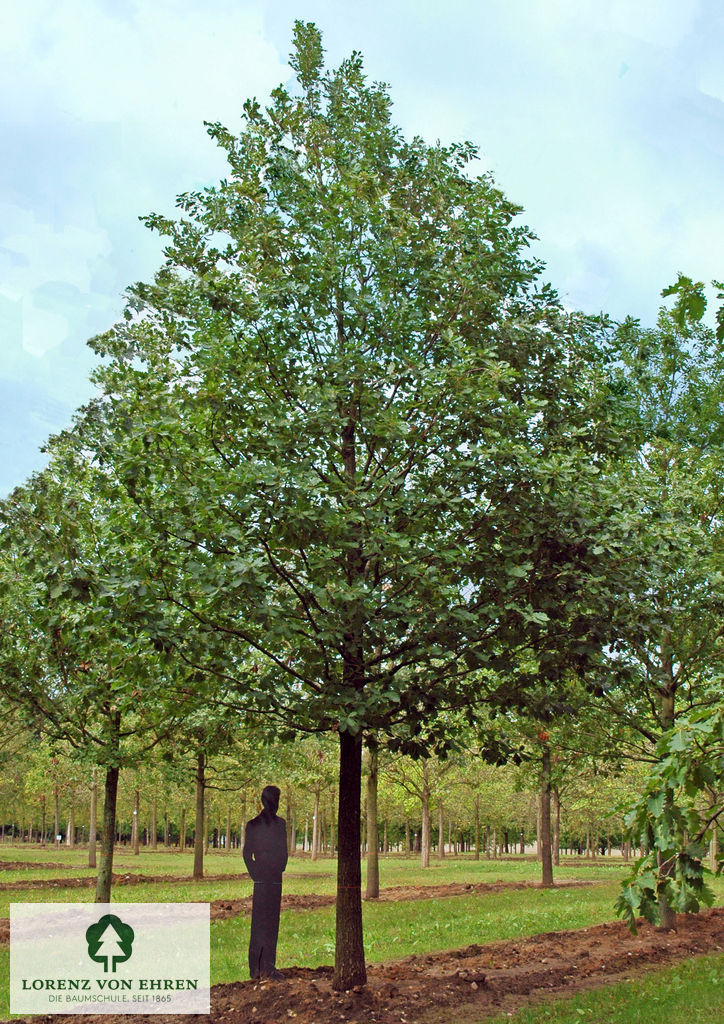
(270, 798)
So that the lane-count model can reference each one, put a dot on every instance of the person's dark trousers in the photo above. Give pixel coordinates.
(265, 910)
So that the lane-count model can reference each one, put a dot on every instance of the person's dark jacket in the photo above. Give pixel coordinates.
(265, 847)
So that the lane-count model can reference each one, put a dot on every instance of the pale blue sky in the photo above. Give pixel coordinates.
(605, 120)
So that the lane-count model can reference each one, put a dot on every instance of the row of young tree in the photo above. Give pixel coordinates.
(354, 471)
(50, 799)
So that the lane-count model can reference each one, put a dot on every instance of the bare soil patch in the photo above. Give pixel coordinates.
(221, 909)
(470, 983)
(26, 865)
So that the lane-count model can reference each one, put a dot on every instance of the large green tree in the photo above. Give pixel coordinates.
(74, 663)
(315, 405)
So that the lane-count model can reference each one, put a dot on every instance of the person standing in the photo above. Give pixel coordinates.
(265, 856)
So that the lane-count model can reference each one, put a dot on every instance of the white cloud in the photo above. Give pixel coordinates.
(162, 65)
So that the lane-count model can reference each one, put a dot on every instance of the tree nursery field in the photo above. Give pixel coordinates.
(362, 522)
(464, 940)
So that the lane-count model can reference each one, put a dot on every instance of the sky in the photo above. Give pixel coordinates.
(604, 120)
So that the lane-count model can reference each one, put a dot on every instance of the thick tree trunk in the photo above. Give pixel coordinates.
(545, 818)
(105, 870)
(93, 823)
(136, 825)
(199, 823)
(372, 891)
(349, 960)
(556, 828)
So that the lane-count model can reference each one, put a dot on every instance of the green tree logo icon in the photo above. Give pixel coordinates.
(110, 941)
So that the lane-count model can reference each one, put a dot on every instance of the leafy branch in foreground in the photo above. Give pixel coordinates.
(674, 822)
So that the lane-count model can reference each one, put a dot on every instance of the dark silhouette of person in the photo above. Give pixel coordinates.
(265, 856)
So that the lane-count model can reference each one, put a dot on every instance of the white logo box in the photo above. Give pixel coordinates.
(136, 958)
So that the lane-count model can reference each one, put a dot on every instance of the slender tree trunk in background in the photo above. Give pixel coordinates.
(305, 841)
(242, 830)
(182, 831)
(207, 815)
(495, 844)
(315, 823)
(105, 869)
(333, 826)
(487, 842)
(93, 823)
(714, 841)
(293, 845)
(627, 851)
(70, 832)
(538, 850)
(154, 823)
(440, 836)
(545, 817)
(372, 891)
(556, 828)
(385, 841)
(43, 836)
(136, 826)
(349, 959)
(425, 836)
(588, 842)
(166, 830)
(407, 837)
(227, 837)
(199, 823)
(288, 816)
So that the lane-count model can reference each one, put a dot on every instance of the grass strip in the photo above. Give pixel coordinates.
(687, 992)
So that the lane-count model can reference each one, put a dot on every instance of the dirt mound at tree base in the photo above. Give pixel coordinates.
(472, 983)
